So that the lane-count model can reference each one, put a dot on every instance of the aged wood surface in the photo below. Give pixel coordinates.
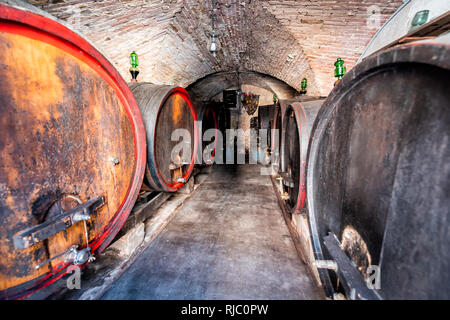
(61, 124)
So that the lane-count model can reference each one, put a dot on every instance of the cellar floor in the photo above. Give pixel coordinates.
(228, 241)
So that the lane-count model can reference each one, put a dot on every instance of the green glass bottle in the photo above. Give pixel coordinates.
(134, 70)
(340, 70)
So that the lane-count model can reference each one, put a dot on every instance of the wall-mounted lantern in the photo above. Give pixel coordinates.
(340, 70)
(420, 18)
(134, 70)
(213, 46)
(304, 86)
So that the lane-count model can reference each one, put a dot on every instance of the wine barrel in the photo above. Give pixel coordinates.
(276, 132)
(265, 114)
(275, 137)
(72, 150)
(165, 109)
(297, 123)
(378, 175)
(207, 121)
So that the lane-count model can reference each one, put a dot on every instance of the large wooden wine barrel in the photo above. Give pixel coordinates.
(277, 125)
(165, 109)
(297, 123)
(72, 148)
(207, 121)
(379, 173)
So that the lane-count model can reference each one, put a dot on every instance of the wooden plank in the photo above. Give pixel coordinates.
(143, 210)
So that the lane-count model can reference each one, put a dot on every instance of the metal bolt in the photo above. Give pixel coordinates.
(115, 161)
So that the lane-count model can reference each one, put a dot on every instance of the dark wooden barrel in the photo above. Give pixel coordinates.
(224, 120)
(276, 132)
(165, 109)
(265, 116)
(275, 137)
(207, 121)
(297, 123)
(379, 175)
(72, 146)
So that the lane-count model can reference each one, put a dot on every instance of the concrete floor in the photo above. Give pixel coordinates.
(228, 241)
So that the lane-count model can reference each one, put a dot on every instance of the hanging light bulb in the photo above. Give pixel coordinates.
(213, 47)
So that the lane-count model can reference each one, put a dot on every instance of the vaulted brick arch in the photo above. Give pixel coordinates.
(212, 85)
(285, 39)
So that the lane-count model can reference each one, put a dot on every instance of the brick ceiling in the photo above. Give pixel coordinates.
(287, 40)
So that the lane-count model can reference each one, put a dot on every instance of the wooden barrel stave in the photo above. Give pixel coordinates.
(55, 144)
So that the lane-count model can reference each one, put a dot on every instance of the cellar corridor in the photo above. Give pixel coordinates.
(332, 118)
(222, 244)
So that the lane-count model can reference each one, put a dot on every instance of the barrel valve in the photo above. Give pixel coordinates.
(73, 256)
(80, 257)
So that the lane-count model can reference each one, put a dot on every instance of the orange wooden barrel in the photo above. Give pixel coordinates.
(165, 111)
(72, 151)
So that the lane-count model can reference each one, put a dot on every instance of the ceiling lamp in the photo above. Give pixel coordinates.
(213, 44)
(213, 47)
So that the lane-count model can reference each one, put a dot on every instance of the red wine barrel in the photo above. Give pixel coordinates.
(207, 121)
(72, 142)
(165, 109)
(378, 171)
(297, 123)
(276, 132)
